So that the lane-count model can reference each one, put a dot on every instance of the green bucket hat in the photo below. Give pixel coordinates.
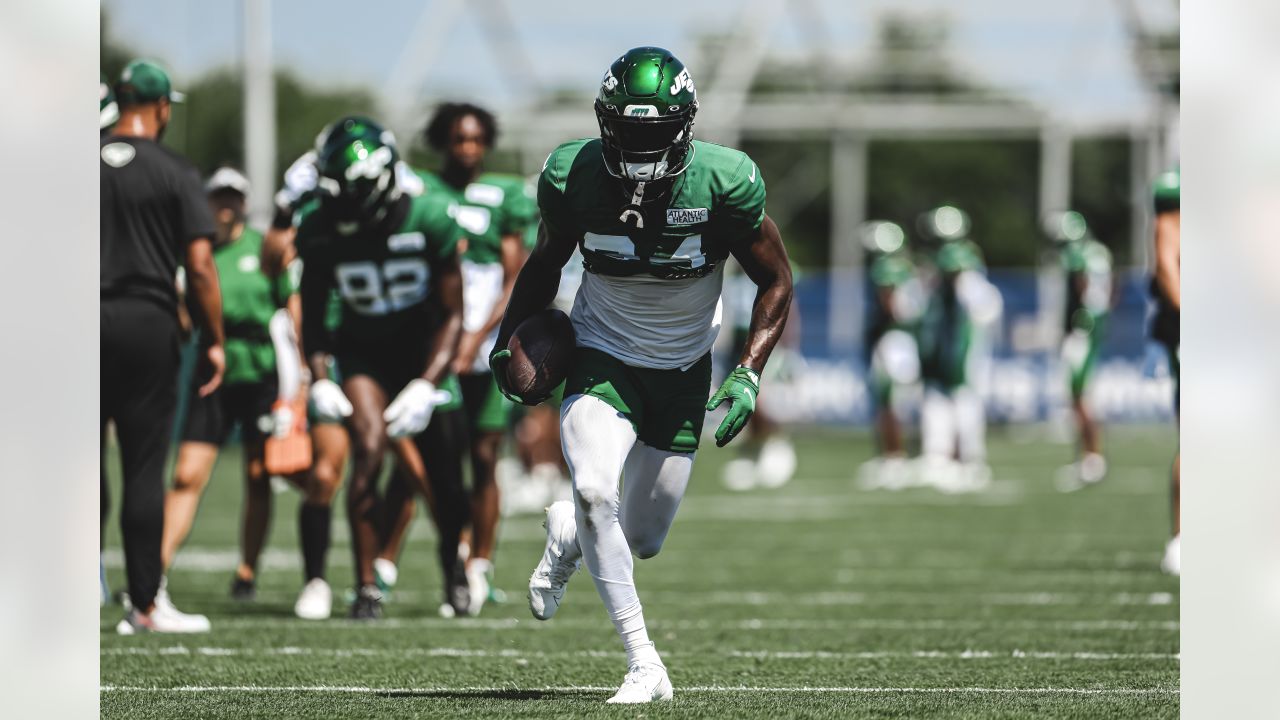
(144, 81)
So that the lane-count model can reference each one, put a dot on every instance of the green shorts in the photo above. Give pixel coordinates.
(1081, 370)
(666, 407)
(487, 409)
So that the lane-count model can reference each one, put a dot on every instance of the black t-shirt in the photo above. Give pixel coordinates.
(153, 206)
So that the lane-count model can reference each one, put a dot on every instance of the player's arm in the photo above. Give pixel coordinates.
(764, 259)
(512, 257)
(202, 285)
(535, 288)
(1168, 256)
(446, 285)
(313, 296)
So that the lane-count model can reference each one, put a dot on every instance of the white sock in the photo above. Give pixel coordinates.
(629, 622)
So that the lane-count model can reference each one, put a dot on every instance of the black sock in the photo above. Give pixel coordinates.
(314, 523)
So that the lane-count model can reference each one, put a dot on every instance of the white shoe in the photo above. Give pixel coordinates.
(1172, 560)
(777, 462)
(547, 584)
(315, 602)
(645, 682)
(478, 571)
(739, 474)
(385, 574)
(165, 617)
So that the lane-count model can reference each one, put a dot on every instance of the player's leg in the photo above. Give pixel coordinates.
(487, 413)
(441, 447)
(254, 404)
(329, 443)
(191, 473)
(368, 445)
(654, 483)
(1172, 560)
(398, 512)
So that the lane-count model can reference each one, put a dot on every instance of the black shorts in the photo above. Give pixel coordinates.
(392, 366)
(210, 419)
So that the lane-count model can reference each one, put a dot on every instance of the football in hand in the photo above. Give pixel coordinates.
(541, 353)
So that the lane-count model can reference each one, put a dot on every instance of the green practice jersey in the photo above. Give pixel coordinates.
(383, 274)
(249, 299)
(1088, 266)
(487, 209)
(654, 268)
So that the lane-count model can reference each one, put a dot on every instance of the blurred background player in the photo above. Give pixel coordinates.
(1087, 264)
(393, 258)
(1166, 288)
(765, 457)
(891, 354)
(495, 212)
(955, 358)
(153, 215)
(249, 388)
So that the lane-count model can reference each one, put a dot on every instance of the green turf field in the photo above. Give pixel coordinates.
(815, 600)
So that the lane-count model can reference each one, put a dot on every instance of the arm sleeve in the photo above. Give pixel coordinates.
(195, 218)
(1168, 191)
(741, 207)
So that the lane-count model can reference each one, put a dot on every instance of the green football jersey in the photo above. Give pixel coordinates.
(1088, 266)
(1168, 191)
(487, 209)
(249, 299)
(654, 268)
(382, 275)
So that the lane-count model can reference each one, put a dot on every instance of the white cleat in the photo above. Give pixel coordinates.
(777, 462)
(168, 618)
(645, 682)
(547, 584)
(1172, 560)
(478, 571)
(315, 602)
(385, 575)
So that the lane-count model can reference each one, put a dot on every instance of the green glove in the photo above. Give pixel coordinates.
(498, 360)
(740, 390)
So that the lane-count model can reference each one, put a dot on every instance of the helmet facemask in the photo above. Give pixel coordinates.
(360, 192)
(645, 149)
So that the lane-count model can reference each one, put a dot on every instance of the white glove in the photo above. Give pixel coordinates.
(329, 401)
(410, 412)
(299, 179)
(281, 420)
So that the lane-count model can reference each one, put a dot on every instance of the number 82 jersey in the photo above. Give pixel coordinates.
(382, 274)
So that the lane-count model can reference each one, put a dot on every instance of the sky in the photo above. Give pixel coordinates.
(1071, 58)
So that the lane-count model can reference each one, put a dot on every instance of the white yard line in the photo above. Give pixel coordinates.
(184, 651)
(441, 690)
(749, 624)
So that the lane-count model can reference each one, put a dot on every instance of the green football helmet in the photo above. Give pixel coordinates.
(356, 159)
(645, 108)
(1066, 227)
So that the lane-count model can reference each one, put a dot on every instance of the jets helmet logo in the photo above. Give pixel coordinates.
(610, 82)
(682, 81)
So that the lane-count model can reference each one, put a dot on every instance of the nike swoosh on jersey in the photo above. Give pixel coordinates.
(752, 177)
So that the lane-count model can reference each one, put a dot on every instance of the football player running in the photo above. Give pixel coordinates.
(1166, 288)
(1089, 288)
(393, 259)
(656, 214)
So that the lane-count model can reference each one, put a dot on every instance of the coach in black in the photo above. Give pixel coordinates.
(153, 215)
